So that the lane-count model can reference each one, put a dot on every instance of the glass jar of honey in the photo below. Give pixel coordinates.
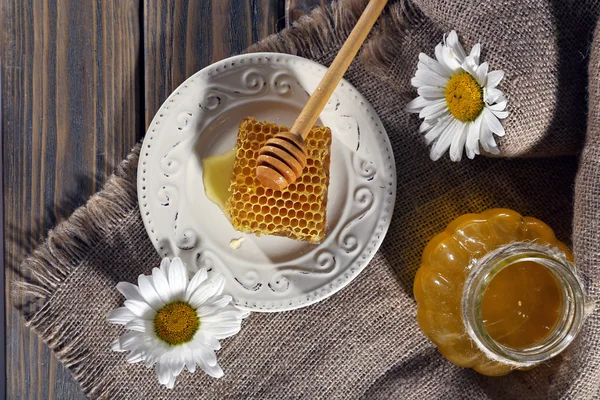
(497, 291)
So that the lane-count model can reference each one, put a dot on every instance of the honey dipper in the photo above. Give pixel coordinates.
(283, 158)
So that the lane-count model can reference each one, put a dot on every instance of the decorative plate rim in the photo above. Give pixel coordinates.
(383, 219)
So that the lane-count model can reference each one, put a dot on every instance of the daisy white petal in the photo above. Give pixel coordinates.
(491, 96)
(215, 304)
(140, 308)
(443, 113)
(494, 78)
(120, 316)
(492, 147)
(498, 109)
(197, 279)
(139, 325)
(213, 370)
(499, 106)
(431, 78)
(493, 122)
(486, 138)
(453, 42)
(417, 104)
(470, 65)
(134, 357)
(422, 67)
(168, 367)
(500, 114)
(204, 339)
(129, 341)
(217, 321)
(426, 126)
(434, 113)
(177, 361)
(154, 354)
(149, 292)
(472, 143)
(161, 284)
(433, 108)
(439, 55)
(481, 74)
(437, 130)
(475, 53)
(222, 325)
(164, 266)
(207, 355)
(171, 383)
(433, 65)
(222, 330)
(443, 142)
(430, 92)
(164, 374)
(450, 59)
(417, 83)
(129, 291)
(177, 278)
(188, 358)
(207, 290)
(458, 143)
(230, 312)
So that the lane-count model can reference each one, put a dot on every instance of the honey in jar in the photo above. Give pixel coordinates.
(521, 305)
(497, 291)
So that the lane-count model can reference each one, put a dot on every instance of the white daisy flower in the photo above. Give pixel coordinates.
(175, 323)
(458, 100)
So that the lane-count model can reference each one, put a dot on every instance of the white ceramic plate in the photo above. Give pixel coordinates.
(201, 118)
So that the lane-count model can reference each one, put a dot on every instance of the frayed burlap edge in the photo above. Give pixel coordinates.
(72, 241)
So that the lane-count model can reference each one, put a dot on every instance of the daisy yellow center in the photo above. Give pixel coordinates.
(464, 97)
(176, 323)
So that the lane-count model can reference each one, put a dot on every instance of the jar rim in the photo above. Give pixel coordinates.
(482, 272)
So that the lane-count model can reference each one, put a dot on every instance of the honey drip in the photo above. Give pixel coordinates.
(236, 243)
(521, 305)
(216, 174)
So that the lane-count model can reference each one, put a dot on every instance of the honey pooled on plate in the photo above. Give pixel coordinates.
(497, 291)
(299, 211)
(216, 171)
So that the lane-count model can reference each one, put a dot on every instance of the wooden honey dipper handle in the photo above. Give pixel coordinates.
(283, 158)
(311, 111)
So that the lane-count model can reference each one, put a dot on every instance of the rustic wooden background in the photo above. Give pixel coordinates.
(80, 81)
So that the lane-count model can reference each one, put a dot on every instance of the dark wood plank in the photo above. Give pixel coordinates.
(2, 302)
(182, 37)
(72, 110)
(295, 9)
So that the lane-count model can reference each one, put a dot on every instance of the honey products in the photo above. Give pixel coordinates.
(497, 291)
(297, 211)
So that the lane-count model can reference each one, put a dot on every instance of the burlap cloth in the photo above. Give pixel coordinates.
(364, 342)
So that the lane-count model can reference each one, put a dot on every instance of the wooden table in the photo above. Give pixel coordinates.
(81, 80)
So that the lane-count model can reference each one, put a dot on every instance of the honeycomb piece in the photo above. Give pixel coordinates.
(298, 211)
